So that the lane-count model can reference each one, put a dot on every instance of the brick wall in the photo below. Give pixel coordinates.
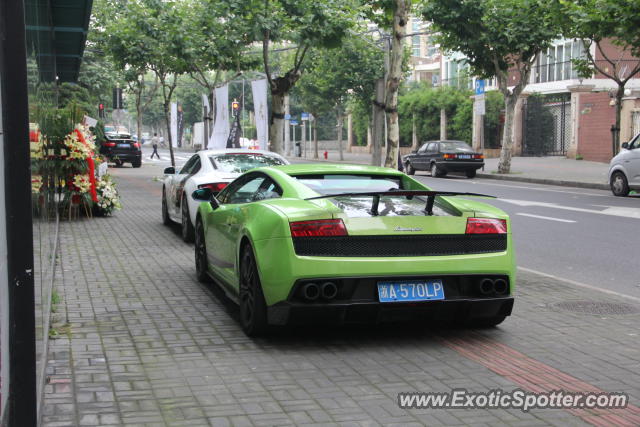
(594, 126)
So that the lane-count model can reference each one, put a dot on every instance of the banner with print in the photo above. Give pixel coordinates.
(174, 124)
(220, 132)
(259, 91)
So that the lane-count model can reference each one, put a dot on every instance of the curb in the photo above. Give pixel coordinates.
(546, 181)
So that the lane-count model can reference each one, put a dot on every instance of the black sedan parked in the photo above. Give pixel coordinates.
(121, 148)
(441, 157)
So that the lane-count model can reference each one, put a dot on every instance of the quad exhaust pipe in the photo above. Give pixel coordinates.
(312, 291)
(490, 287)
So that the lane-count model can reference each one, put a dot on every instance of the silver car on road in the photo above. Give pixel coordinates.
(624, 169)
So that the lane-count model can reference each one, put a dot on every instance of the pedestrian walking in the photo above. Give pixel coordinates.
(154, 143)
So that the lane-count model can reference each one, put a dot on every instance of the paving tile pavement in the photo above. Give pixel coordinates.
(150, 346)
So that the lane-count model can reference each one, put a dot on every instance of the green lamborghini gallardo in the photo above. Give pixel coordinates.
(352, 244)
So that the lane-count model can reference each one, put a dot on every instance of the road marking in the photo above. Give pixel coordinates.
(582, 193)
(613, 211)
(545, 217)
(580, 284)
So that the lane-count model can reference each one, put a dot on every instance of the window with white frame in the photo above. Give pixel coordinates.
(555, 63)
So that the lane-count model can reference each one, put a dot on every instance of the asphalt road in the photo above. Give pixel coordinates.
(582, 235)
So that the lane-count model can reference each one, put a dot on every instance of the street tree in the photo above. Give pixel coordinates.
(499, 38)
(297, 25)
(597, 22)
(337, 75)
(392, 15)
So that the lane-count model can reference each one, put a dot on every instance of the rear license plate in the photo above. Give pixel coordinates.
(411, 290)
(464, 156)
(127, 146)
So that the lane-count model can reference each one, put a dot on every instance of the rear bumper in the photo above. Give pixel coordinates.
(288, 313)
(127, 157)
(456, 166)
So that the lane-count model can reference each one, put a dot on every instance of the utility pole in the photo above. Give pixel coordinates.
(287, 128)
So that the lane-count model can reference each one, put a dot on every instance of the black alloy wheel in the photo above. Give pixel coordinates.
(253, 309)
(202, 263)
(619, 184)
(166, 220)
(188, 233)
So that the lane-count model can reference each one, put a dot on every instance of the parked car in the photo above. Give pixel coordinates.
(624, 168)
(351, 244)
(441, 157)
(212, 169)
(121, 148)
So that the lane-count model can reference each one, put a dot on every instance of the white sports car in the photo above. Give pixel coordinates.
(212, 169)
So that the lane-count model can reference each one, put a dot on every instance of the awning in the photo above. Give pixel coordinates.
(56, 36)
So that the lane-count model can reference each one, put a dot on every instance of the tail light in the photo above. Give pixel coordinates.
(486, 226)
(450, 156)
(318, 228)
(109, 144)
(137, 145)
(214, 186)
(478, 156)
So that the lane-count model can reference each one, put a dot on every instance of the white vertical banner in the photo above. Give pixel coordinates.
(205, 104)
(220, 132)
(174, 124)
(259, 91)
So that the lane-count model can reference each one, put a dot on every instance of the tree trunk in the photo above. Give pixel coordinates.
(167, 119)
(377, 127)
(276, 130)
(616, 133)
(414, 134)
(507, 134)
(339, 129)
(401, 15)
(287, 136)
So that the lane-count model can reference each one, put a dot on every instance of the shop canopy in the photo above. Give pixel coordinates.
(56, 36)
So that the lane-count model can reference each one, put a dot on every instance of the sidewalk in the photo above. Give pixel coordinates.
(554, 170)
(144, 344)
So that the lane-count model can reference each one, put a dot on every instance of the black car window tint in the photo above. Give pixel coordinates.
(187, 166)
(196, 167)
(246, 192)
(423, 148)
(432, 147)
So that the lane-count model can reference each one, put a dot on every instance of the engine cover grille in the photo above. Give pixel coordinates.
(396, 246)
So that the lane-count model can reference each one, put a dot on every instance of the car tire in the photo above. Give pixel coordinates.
(409, 168)
(619, 184)
(202, 261)
(188, 233)
(253, 308)
(118, 163)
(436, 172)
(470, 173)
(136, 164)
(166, 220)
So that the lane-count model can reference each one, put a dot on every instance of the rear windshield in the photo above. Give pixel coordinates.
(455, 146)
(242, 162)
(334, 183)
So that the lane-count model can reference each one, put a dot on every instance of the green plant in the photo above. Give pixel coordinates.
(579, 157)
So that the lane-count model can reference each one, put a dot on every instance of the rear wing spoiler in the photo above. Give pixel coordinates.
(409, 194)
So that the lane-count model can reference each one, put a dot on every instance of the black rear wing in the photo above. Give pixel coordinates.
(409, 194)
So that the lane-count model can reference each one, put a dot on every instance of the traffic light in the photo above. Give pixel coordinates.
(101, 110)
(117, 98)
(235, 107)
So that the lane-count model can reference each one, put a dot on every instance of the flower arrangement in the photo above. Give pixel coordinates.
(36, 183)
(108, 199)
(82, 183)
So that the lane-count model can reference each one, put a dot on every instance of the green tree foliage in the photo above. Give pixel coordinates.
(337, 75)
(300, 23)
(497, 37)
(598, 21)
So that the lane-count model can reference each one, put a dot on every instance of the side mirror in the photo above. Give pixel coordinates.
(625, 145)
(202, 194)
(170, 171)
